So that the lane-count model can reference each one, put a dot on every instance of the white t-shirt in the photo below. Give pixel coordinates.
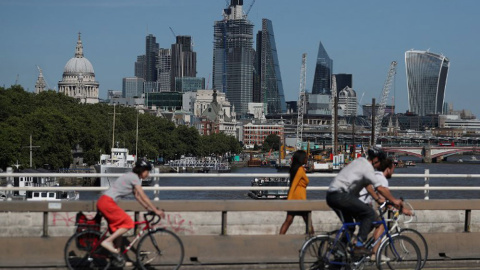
(365, 196)
(355, 176)
(123, 186)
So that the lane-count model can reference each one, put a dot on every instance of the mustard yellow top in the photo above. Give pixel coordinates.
(298, 190)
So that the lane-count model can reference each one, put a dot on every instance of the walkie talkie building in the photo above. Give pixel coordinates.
(426, 81)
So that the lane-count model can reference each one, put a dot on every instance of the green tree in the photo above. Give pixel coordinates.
(272, 141)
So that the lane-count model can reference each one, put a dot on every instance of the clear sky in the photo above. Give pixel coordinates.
(362, 38)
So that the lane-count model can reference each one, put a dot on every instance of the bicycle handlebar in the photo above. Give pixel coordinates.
(154, 218)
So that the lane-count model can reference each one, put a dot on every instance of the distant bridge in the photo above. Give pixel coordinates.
(431, 153)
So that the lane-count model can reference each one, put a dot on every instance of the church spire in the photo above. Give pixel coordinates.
(79, 48)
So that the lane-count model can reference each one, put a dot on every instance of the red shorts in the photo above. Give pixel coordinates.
(116, 217)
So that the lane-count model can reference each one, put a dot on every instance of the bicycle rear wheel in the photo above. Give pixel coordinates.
(419, 240)
(78, 252)
(320, 253)
(160, 249)
(399, 252)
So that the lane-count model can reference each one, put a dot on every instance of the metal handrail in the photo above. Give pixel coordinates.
(156, 176)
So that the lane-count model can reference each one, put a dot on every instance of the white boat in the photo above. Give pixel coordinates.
(120, 161)
(40, 181)
(39, 196)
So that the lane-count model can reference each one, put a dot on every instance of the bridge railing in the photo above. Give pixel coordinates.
(156, 187)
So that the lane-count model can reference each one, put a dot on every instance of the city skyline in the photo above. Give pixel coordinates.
(362, 39)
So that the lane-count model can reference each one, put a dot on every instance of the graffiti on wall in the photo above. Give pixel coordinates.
(174, 222)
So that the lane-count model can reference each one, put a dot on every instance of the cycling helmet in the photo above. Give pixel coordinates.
(143, 164)
(376, 152)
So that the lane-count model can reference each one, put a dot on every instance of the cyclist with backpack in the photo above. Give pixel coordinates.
(343, 194)
(119, 222)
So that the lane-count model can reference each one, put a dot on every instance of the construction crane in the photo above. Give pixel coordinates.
(301, 101)
(334, 114)
(249, 8)
(383, 100)
(174, 35)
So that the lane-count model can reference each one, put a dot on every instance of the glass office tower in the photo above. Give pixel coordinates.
(233, 56)
(426, 81)
(151, 52)
(270, 88)
(322, 80)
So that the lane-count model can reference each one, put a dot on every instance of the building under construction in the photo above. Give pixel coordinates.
(233, 56)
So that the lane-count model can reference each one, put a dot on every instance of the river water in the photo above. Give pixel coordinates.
(451, 167)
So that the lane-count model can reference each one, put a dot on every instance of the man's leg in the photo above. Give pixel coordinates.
(364, 214)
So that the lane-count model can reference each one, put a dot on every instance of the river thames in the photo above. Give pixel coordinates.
(451, 167)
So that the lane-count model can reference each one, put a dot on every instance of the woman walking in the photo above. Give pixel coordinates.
(298, 189)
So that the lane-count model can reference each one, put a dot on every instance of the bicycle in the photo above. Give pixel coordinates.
(327, 252)
(157, 247)
(411, 233)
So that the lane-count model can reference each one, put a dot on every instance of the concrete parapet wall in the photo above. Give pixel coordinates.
(227, 231)
(25, 220)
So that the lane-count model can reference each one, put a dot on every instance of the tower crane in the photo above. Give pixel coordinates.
(173, 33)
(333, 108)
(249, 8)
(301, 101)
(383, 100)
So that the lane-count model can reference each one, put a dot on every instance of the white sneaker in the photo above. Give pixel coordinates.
(383, 258)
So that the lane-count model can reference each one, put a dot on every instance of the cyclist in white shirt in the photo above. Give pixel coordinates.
(343, 194)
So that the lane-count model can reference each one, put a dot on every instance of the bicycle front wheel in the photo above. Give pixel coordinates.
(79, 253)
(319, 253)
(419, 240)
(160, 249)
(399, 252)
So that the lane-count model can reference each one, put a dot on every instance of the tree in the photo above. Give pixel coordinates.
(272, 141)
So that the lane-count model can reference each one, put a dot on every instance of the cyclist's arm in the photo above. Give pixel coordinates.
(376, 197)
(385, 192)
(143, 199)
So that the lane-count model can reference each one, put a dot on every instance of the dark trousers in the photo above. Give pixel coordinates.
(352, 209)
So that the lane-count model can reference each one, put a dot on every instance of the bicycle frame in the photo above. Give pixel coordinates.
(386, 235)
(130, 245)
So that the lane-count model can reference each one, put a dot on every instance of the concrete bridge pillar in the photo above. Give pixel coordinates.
(427, 154)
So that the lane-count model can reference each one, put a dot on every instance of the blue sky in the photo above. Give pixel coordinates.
(362, 38)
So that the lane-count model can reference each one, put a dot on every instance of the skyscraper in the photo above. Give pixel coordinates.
(132, 87)
(164, 67)
(269, 90)
(233, 56)
(343, 80)
(183, 59)
(151, 54)
(426, 81)
(322, 80)
(140, 67)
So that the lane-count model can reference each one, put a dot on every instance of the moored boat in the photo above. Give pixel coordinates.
(269, 182)
(119, 161)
